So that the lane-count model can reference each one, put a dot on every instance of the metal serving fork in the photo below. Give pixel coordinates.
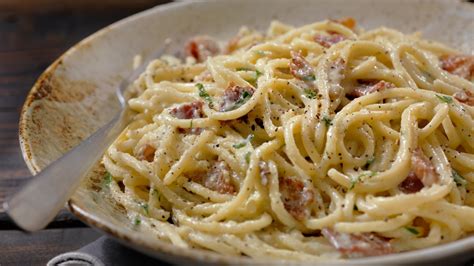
(38, 201)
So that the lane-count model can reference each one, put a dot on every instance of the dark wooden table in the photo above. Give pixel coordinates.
(32, 35)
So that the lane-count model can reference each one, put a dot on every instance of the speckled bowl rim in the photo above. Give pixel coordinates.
(161, 249)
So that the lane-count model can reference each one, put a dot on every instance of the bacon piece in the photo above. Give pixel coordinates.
(296, 196)
(461, 65)
(202, 47)
(370, 86)
(358, 245)
(464, 96)
(234, 97)
(422, 225)
(300, 68)
(328, 40)
(423, 168)
(189, 111)
(217, 179)
(147, 153)
(423, 173)
(411, 184)
(232, 44)
(264, 172)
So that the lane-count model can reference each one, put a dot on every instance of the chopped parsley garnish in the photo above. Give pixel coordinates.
(200, 87)
(155, 192)
(459, 179)
(242, 69)
(244, 97)
(137, 221)
(239, 145)
(310, 94)
(203, 94)
(145, 207)
(353, 182)
(327, 120)
(359, 177)
(257, 73)
(412, 230)
(243, 143)
(107, 179)
(191, 124)
(444, 98)
(309, 78)
(247, 157)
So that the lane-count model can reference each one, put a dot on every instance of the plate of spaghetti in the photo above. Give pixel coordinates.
(345, 136)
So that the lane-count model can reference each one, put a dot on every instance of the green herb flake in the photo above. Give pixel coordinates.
(354, 182)
(412, 230)
(246, 95)
(459, 179)
(199, 86)
(203, 94)
(309, 78)
(144, 206)
(359, 177)
(257, 74)
(310, 94)
(157, 194)
(327, 120)
(244, 143)
(242, 69)
(191, 124)
(247, 157)
(444, 98)
(107, 179)
(239, 145)
(243, 99)
(137, 221)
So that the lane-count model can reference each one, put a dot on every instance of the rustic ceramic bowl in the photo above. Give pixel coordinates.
(75, 95)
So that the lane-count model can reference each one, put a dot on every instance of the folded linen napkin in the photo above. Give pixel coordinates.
(104, 251)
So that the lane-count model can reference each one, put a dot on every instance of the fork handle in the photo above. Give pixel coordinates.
(38, 201)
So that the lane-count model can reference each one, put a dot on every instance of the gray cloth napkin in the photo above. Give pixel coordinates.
(104, 251)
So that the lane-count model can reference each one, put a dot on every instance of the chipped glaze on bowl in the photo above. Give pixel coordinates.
(75, 95)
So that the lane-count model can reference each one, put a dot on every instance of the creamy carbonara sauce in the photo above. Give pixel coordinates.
(315, 142)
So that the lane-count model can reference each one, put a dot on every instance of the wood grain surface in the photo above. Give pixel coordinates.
(32, 35)
(29, 43)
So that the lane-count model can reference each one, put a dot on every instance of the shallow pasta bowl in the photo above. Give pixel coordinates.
(75, 95)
